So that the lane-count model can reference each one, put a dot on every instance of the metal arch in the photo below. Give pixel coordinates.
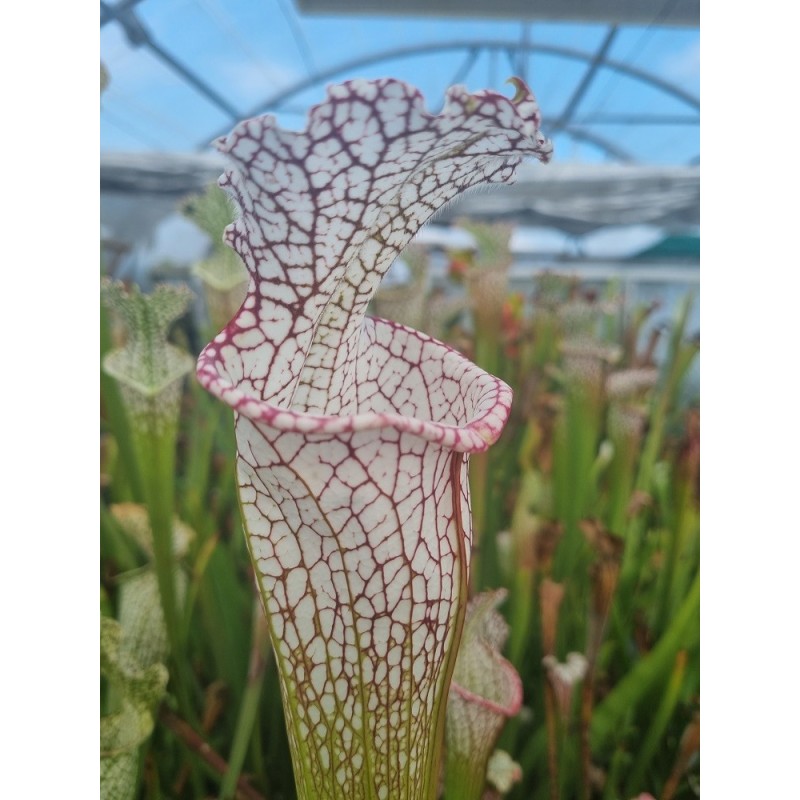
(475, 45)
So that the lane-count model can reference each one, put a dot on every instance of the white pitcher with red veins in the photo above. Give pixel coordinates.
(353, 432)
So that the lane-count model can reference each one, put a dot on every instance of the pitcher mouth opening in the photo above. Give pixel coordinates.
(486, 401)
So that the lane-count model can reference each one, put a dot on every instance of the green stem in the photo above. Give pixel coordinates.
(155, 440)
(465, 780)
(248, 709)
(682, 525)
(683, 632)
(678, 362)
(575, 447)
(156, 446)
(523, 530)
(553, 741)
(115, 545)
(617, 768)
(207, 418)
(621, 480)
(484, 563)
(201, 562)
(659, 724)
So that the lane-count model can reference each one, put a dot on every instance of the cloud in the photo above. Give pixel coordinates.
(137, 71)
(254, 81)
(129, 67)
(683, 64)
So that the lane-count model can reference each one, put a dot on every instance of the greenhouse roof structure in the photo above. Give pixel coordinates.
(678, 12)
(617, 81)
(574, 198)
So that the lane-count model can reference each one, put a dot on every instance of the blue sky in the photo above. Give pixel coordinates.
(247, 50)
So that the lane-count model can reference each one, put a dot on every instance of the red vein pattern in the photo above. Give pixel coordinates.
(486, 690)
(351, 430)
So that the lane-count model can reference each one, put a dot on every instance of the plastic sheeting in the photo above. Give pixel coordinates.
(574, 198)
(579, 198)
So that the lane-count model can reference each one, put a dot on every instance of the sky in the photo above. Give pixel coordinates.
(248, 50)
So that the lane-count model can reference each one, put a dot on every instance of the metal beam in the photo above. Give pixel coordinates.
(637, 119)
(625, 12)
(272, 103)
(138, 36)
(588, 76)
(109, 13)
(522, 53)
(463, 69)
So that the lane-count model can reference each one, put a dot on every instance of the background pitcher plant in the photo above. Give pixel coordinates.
(353, 433)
